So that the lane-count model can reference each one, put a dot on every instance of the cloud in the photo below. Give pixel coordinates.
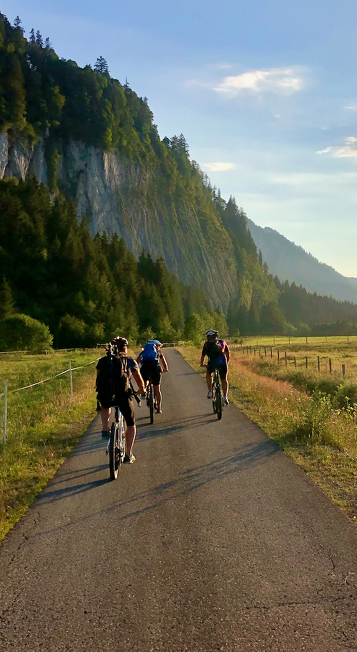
(218, 166)
(276, 80)
(351, 107)
(346, 151)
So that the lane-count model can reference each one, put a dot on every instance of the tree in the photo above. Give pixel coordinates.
(18, 25)
(39, 39)
(7, 304)
(23, 333)
(32, 36)
(101, 66)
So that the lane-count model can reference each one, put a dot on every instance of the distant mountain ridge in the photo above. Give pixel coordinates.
(290, 262)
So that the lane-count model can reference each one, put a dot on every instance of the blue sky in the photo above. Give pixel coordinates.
(265, 93)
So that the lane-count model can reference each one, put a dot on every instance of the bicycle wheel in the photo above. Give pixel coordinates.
(114, 453)
(216, 396)
(122, 428)
(151, 402)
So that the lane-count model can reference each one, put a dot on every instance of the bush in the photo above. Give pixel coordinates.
(23, 333)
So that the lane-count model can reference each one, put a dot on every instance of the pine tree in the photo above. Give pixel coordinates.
(18, 25)
(101, 66)
(32, 36)
(7, 304)
(39, 39)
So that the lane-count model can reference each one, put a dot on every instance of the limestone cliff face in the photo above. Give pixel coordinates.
(120, 197)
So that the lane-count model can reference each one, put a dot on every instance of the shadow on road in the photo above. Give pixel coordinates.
(188, 481)
(162, 429)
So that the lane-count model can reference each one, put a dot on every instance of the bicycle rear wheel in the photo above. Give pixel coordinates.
(151, 402)
(216, 396)
(114, 451)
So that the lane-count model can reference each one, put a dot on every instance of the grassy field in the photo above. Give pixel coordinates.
(311, 415)
(43, 423)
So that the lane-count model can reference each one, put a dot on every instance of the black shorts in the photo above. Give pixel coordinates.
(222, 368)
(151, 370)
(125, 405)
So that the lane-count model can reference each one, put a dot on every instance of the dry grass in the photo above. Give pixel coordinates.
(318, 436)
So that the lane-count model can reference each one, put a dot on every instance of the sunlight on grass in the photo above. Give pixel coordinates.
(44, 424)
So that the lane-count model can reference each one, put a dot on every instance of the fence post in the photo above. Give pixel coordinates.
(254, 351)
(5, 413)
(278, 356)
(306, 362)
(286, 360)
(343, 370)
(318, 363)
(70, 379)
(271, 351)
(265, 351)
(294, 360)
(330, 365)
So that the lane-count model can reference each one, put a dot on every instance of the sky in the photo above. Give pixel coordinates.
(265, 93)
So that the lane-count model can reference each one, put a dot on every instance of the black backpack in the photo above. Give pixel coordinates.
(113, 377)
(212, 349)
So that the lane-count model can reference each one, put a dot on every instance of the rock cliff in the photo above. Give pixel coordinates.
(121, 196)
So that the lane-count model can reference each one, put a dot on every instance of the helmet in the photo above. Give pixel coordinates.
(120, 342)
(156, 342)
(211, 332)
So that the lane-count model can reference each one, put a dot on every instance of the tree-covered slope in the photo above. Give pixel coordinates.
(92, 141)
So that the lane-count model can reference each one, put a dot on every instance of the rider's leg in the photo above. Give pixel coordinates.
(225, 385)
(129, 439)
(105, 414)
(209, 380)
(158, 396)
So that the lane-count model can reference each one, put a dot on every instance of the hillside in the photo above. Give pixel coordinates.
(78, 139)
(292, 263)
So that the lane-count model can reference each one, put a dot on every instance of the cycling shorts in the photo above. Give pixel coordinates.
(125, 404)
(222, 368)
(151, 370)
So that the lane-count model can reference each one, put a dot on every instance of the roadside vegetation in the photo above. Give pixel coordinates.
(43, 423)
(311, 415)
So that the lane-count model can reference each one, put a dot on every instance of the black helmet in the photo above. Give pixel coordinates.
(211, 332)
(120, 342)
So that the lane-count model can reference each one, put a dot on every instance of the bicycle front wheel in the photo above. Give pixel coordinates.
(114, 452)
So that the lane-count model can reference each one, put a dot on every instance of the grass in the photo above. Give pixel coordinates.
(316, 429)
(43, 424)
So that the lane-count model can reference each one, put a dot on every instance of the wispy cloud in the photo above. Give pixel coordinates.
(275, 80)
(218, 166)
(352, 107)
(346, 151)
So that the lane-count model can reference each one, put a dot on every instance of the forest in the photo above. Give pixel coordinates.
(83, 289)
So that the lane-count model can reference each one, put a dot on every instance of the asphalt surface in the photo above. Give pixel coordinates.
(212, 540)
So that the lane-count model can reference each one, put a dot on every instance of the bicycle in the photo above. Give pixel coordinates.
(116, 441)
(116, 444)
(216, 394)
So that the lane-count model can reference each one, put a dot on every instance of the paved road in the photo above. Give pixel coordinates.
(212, 540)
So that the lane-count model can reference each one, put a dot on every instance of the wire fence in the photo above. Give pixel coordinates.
(4, 395)
(284, 357)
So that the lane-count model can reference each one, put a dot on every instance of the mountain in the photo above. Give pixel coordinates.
(292, 263)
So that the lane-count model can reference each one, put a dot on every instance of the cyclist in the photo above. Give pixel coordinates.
(122, 366)
(153, 363)
(217, 352)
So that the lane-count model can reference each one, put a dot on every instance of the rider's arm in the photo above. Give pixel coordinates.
(226, 353)
(163, 361)
(138, 359)
(139, 380)
(203, 355)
